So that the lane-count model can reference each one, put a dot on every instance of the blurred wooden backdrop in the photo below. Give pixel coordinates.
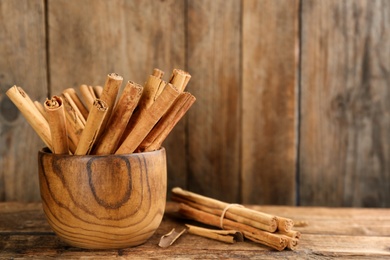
(293, 96)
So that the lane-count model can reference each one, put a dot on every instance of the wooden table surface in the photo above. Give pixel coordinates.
(326, 232)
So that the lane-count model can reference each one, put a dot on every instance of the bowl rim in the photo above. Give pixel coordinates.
(46, 151)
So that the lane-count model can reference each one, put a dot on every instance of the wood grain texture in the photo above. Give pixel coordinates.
(103, 202)
(345, 119)
(89, 39)
(269, 119)
(22, 62)
(363, 238)
(214, 120)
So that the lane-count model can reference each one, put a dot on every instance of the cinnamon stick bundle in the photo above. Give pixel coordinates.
(99, 124)
(256, 235)
(255, 225)
(57, 122)
(23, 102)
(234, 212)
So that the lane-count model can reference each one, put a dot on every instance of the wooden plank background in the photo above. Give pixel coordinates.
(292, 96)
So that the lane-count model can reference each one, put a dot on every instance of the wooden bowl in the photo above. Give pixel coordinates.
(103, 202)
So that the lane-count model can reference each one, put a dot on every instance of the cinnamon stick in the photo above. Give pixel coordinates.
(75, 107)
(92, 127)
(98, 90)
(158, 73)
(41, 109)
(119, 119)
(284, 224)
(109, 95)
(152, 84)
(155, 138)
(226, 236)
(77, 101)
(87, 96)
(30, 113)
(180, 79)
(146, 119)
(74, 123)
(57, 123)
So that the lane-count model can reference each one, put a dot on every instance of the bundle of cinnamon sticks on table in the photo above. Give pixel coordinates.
(273, 231)
(97, 120)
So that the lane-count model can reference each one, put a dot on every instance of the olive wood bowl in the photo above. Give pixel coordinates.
(103, 201)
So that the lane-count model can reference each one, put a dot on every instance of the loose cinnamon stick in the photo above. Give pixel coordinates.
(92, 127)
(170, 238)
(87, 96)
(77, 101)
(30, 113)
(146, 120)
(57, 123)
(226, 236)
(256, 235)
(119, 119)
(155, 138)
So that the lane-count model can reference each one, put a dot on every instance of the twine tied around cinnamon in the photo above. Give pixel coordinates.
(225, 210)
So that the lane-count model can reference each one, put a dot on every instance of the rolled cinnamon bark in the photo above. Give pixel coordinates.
(158, 73)
(98, 90)
(149, 94)
(146, 119)
(156, 137)
(119, 119)
(77, 101)
(87, 96)
(23, 102)
(41, 109)
(68, 98)
(180, 79)
(74, 123)
(109, 95)
(92, 127)
(56, 118)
